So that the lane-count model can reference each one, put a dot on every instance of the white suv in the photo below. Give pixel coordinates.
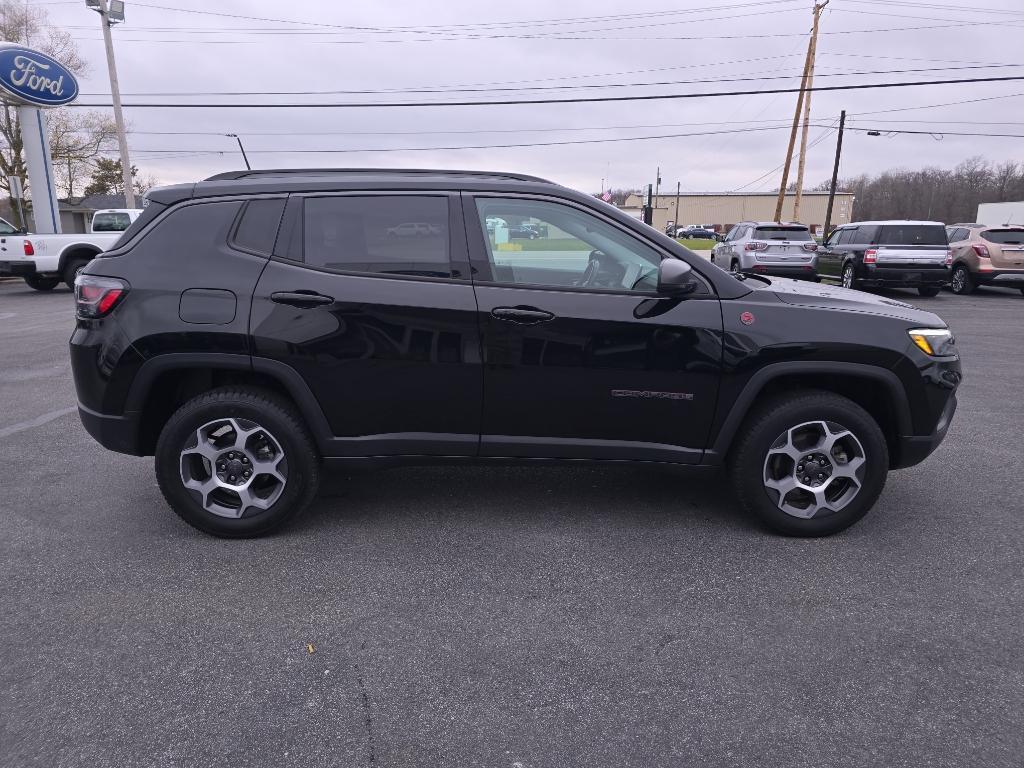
(783, 249)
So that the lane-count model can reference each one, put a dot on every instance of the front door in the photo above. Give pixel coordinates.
(582, 358)
(368, 298)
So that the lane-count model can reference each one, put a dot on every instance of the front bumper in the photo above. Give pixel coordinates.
(17, 268)
(914, 449)
(911, 276)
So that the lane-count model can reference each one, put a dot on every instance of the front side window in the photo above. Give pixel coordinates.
(111, 222)
(569, 248)
(847, 236)
(378, 234)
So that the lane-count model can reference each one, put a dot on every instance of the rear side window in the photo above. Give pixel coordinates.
(378, 234)
(913, 234)
(257, 229)
(111, 222)
(782, 233)
(1004, 236)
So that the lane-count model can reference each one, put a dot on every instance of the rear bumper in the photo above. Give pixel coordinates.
(17, 268)
(115, 433)
(802, 272)
(905, 275)
(1009, 278)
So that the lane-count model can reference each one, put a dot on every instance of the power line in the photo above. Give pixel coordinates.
(935, 106)
(571, 100)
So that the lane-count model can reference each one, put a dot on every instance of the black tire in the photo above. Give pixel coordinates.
(269, 412)
(848, 279)
(961, 281)
(40, 283)
(71, 270)
(928, 291)
(773, 418)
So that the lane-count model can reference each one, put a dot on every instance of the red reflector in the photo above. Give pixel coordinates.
(109, 300)
(29, 250)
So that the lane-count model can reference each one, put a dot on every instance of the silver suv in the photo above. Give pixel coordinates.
(784, 249)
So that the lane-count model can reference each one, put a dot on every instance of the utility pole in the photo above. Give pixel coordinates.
(111, 14)
(807, 113)
(796, 113)
(676, 225)
(648, 210)
(835, 175)
(657, 181)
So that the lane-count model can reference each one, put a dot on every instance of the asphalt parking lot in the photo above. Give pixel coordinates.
(505, 616)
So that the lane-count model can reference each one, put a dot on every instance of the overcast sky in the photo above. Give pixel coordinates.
(314, 45)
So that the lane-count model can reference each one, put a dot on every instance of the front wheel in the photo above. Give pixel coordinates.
(961, 282)
(40, 283)
(237, 462)
(928, 291)
(809, 464)
(849, 279)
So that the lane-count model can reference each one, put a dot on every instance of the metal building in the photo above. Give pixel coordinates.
(723, 210)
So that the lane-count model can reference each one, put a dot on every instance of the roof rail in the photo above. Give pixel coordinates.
(236, 175)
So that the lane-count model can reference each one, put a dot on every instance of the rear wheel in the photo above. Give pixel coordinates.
(928, 290)
(961, 282)
(40, 283)
(237, 462)
(810, 463)
(849, 278)
(71, 270)
(734, 265)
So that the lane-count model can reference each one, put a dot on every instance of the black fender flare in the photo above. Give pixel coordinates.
(284, 374)
(68, 249)
(745, 401)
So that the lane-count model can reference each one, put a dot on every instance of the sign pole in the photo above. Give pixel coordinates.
(45, 208)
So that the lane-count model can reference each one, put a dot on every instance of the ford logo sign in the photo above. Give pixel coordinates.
(31, 77)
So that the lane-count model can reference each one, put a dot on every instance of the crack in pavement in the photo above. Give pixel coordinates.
(38, 421)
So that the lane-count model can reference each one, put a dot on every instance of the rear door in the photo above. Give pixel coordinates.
(785, 244)
(1005, 247)
(581, 358)
(368, 298)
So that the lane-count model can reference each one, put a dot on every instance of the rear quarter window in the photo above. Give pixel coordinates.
(257, 228)
(197, 229)
(913, 234)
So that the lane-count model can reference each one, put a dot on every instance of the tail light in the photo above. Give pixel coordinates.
(811, 247)
(949, 257)
(29, 248)
(871, 256)
(981, 249)
(756, 245)
(96, 296)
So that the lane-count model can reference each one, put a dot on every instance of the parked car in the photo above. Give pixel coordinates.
(524, 232)
(768, 248)
(696, 233)
(230, 337)
(986, 256)
(44, 261)
(414, 229)
(892, 254)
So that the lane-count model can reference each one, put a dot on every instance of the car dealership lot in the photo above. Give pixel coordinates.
(503, 616)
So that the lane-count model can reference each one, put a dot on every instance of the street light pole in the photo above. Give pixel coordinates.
(107, 19)
(248, 167)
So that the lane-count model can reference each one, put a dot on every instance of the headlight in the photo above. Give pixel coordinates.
(937, 342)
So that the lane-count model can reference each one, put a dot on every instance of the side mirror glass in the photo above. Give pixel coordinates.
(675, 278)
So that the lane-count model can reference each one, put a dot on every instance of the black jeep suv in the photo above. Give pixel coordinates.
(257, 328)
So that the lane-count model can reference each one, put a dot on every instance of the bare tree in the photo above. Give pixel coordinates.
(77, 141)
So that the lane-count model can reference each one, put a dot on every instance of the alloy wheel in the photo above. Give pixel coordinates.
(848, 276)
(959, 280)
(235, 467)
(814, 469)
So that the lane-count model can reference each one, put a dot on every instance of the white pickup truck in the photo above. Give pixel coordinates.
(44, 261)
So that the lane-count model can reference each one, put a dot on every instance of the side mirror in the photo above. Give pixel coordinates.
(675, 278)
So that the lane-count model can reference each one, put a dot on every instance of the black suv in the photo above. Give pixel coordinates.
(260, 327)
(888, 254)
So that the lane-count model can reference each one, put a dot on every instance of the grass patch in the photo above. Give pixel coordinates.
(695, 244)
(553, 244)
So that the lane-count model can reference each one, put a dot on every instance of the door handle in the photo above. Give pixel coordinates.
(522, 315)
(301, 298)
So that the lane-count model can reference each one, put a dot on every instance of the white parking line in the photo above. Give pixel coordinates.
(38, 421)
